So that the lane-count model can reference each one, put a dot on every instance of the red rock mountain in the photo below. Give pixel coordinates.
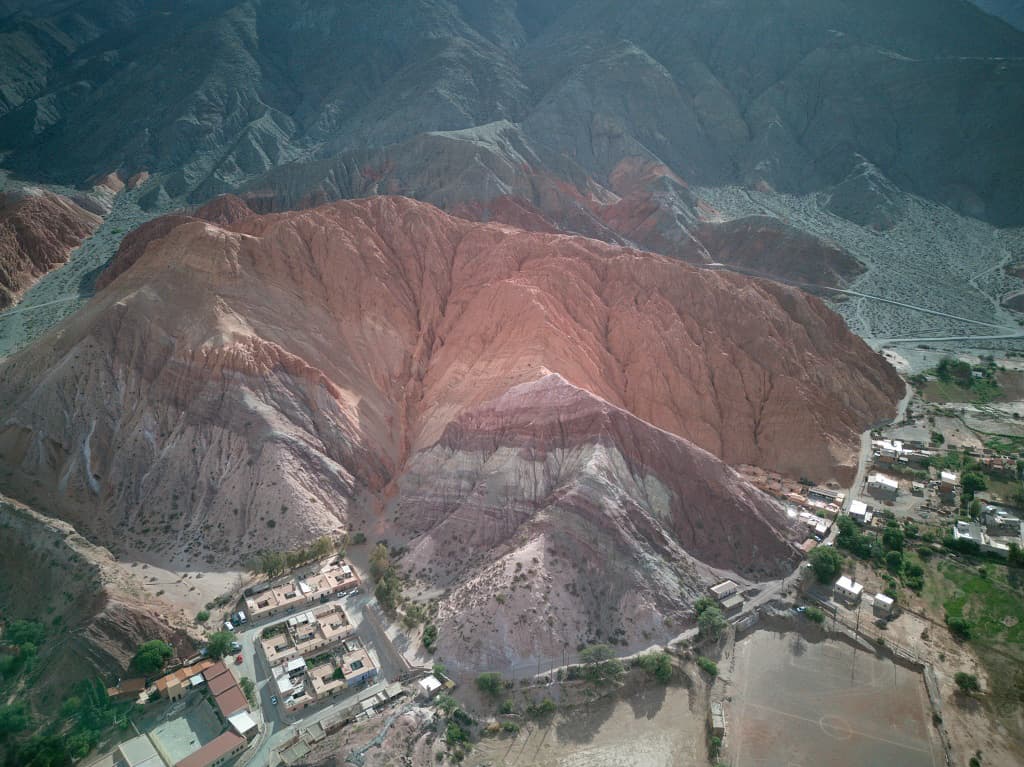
(38, 230)
(482, 393)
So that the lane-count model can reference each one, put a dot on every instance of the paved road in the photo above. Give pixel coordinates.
(855, 293)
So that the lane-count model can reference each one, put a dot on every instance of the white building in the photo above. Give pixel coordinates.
(882, 606)
(724, 589)
(859, 513)
(429, 686)
(848, 590)
(883, 487)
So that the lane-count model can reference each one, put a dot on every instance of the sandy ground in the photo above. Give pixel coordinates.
(800, 702)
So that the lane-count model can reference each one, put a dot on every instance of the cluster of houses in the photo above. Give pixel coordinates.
(314, 656)
(333, 578)
(228, 701)
(995, 531)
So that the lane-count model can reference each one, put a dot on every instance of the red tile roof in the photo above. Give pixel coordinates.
(215, 670)
(212, 751)
(231, 700)
(221, 683)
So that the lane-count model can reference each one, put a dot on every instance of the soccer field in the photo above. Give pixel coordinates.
(800, 703)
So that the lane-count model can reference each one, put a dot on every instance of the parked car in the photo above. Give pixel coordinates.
(229, 626)
(236, 646)
(238, 660)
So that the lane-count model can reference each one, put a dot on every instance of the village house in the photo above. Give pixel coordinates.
(848, 590)
(883, 487)
(330, 579)
(860, 512)
(305, 633)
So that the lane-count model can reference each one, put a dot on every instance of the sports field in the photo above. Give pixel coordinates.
(800, 703)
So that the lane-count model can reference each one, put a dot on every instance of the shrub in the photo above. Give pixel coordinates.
(814, 614)
(540, 710)
(430, 636)
(489, 683)
(966, 683)
(249, 689)
(506, 707)
(454, 734)
(202, 616)
(708, 666)
(958, 627)
(511, 727)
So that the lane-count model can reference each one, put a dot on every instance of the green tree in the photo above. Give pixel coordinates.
(268, 563)
(703, 604)
(600, 665)
(894, 561)
(826, 563)
(966, 683)
(1016, 556)
(380, 561)
(430, 637)
(711, 623)
(25, 632)
(893, 537)
(972, 482)
(219, 644)
(152, 656)
(13, 719)
(658, 665)
(489, 683)
(40, 751)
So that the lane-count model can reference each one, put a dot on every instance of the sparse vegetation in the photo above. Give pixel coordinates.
(275, 563)
(708, 666)
(541, 710)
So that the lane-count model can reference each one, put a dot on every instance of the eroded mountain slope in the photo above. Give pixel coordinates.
(245, 383)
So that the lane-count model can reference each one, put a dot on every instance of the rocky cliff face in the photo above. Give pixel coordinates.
(100, 614)
(38, 230)
(256, 382)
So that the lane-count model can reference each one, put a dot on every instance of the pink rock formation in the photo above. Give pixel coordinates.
(258, 382)
(38, 230)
